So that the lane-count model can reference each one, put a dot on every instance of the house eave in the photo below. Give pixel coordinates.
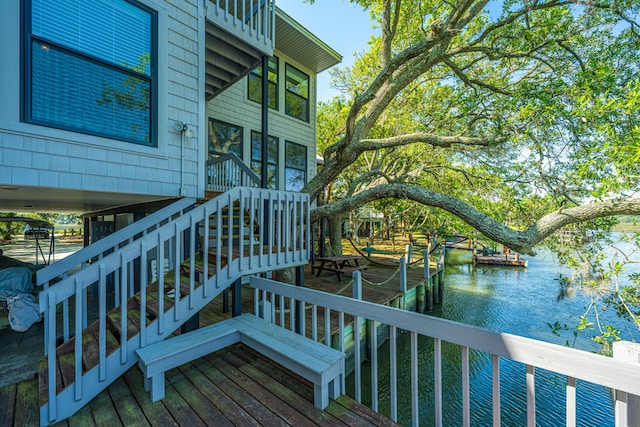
(299, 43)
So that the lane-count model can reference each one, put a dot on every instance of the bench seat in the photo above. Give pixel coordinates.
(318, 363)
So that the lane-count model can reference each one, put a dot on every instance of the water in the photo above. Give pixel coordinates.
(511, 300)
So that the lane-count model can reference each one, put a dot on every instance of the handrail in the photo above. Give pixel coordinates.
(83, 256)
(228, 171)
(271, 232)
(570, 362)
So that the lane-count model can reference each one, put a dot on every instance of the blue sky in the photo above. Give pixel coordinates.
(344, 27)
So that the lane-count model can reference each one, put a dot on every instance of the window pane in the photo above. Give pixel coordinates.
(297, 82)
(296, 156)
(295, 172)
(255, 84)
(296, 107)
(224, 138)
(112, 30)
(256, 157)
(297, 93)
(294, 179)
(76, 94)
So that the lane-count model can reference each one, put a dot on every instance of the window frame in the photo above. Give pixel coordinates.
(287, 167)
(296, 95)
(26, 79)
(272, 83)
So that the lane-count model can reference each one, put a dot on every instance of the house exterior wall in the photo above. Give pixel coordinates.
(46, 157)
(234, 107)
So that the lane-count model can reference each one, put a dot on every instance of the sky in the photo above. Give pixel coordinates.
(344, 27)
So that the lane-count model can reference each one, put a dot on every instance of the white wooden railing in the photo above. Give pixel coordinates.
(573, 364)
(250, 20)
(277, 223)
(229, 171)
(96, 251)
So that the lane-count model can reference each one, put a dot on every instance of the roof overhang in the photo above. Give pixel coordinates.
(297, 42)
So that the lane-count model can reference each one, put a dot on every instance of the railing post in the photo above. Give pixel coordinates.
(357, 285)
(408, 252)
(629, 352)
(427, 273)
(403, 274)
(300, 309)
(236, 298)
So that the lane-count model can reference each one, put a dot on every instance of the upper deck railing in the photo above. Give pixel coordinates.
(250, 20)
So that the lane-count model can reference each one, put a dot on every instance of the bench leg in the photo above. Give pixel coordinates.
(320, 396)
(157, 387)
(334, 388)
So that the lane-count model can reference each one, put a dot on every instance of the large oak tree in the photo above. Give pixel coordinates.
(489, 110)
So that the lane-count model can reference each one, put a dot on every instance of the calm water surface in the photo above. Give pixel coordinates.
(512, 300)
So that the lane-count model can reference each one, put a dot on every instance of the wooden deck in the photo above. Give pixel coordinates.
(234, 386)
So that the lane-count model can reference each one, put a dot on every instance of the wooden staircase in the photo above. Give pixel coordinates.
(192, 259)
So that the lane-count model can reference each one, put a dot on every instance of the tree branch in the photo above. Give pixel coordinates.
(427, 138)
(521, 241)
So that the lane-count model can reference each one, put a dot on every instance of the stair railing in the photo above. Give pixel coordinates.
(271, 232)
(228, 171)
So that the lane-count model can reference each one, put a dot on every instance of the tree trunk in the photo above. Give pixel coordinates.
(335, 235)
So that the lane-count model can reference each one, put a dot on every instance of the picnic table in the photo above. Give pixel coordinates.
(339, 264)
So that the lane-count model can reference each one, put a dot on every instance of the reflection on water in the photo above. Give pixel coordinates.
(511, 300)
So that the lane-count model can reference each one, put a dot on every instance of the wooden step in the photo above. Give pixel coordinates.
(65, 357)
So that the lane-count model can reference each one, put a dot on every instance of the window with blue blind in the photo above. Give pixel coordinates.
(90, 67)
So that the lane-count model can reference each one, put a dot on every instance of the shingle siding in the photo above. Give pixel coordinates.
(38, 155)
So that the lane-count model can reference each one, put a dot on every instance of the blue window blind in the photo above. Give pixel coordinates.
(92, 68)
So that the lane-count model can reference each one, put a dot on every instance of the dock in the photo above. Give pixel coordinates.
(509, 260)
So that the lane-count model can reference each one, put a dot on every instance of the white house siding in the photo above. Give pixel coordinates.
(233, 106)
(32, 155)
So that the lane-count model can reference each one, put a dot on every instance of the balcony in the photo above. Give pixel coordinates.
(238, 34)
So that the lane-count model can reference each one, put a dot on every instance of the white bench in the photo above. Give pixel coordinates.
(318, 363)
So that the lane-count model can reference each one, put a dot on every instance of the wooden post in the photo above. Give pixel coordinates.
(236, 298)
(408, 251)
(357, 285)
(403, 275)
(629, 352)
(426, 264)
(421, 297)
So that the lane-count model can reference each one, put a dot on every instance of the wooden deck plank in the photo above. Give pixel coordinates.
(104, 413)
(258, 391)
(365, 412)
(8, 398)
(204, 396)
(210, 396)
(155, 412)
(177, 406)
(262, 413)
(82, 418)
(26, 404)
(243, 361)
(216, 395)
(128, 409)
